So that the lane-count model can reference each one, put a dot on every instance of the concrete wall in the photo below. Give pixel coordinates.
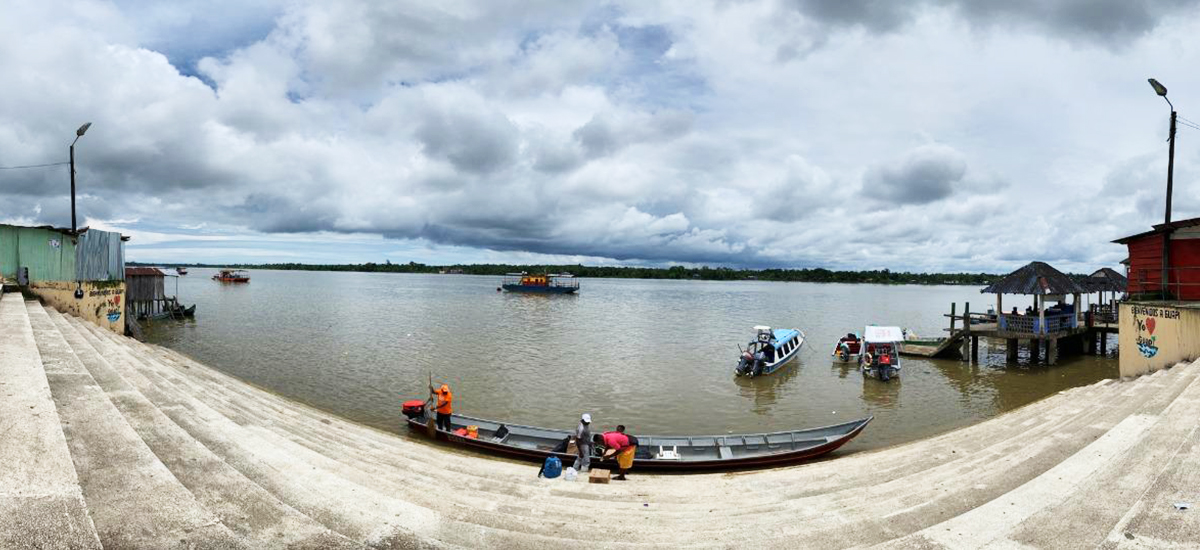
(103, 302)
(1156, 335)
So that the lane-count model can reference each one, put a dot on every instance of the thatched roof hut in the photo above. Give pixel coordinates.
(1036, 278)
(1106, 280)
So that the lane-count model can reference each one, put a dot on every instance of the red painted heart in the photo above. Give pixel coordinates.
(1150, 325)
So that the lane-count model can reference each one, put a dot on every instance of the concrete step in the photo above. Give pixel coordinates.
(481, 511)
(1154, 521)
(808, 505)
(1128, 390)
(261, 520)
(450, 521)
(133, 498)
(1052, 509)
(1104, 497)
(288, 480)
(41, 503)
(896, 507)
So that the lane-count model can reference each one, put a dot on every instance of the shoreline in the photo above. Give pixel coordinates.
(213, 461)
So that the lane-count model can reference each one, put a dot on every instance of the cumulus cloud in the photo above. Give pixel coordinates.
(923, 175)
(759, 133)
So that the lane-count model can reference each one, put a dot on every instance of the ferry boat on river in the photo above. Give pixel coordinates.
(770, 350)
(541, 283)
(232, 276)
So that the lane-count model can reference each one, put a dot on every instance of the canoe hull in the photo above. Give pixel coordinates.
(652, 464)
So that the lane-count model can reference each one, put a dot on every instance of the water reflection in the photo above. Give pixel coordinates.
(844, 368)
(765, 391)
(657, 356)
(881, 395)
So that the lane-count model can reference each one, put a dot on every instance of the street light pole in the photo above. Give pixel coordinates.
(1162, 91)
(78, 134)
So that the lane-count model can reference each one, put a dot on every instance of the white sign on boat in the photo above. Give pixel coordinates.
(874, 334)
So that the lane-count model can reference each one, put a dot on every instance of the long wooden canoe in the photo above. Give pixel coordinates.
(655, 452)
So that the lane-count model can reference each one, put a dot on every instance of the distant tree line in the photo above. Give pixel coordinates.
(810, 275)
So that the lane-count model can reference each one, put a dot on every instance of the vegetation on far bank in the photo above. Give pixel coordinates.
(811, 275)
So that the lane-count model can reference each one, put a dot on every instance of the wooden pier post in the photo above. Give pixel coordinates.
(952, 305)
(975, 348)
(1035, 350)
(965, 350)
(1010, 346)
(1103, 343)
(1052, 351)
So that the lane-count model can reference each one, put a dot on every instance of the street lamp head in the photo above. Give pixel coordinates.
(83, 129)
(1158, 88)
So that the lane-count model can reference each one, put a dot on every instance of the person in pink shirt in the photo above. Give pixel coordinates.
(619, 445)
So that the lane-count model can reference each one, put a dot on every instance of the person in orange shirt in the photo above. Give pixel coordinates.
(443, 408)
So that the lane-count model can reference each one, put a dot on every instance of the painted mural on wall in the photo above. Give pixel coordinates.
(110, 304)
(1155, 336)
(101, 302)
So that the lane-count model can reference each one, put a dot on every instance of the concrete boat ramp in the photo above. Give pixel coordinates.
(109, 443)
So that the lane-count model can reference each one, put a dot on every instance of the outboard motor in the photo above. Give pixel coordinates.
(413, 409)
(745, 364)
(884, 372)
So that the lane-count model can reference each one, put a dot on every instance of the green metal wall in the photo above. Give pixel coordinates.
(8, 252)
(49, 255)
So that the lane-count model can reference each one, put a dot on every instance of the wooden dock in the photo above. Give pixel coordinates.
(1088, 336)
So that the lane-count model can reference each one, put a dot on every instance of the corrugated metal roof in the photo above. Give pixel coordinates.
(1035, 278)
(1160, 228)
(144, 272)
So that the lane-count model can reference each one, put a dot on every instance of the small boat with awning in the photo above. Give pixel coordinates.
(541, 283)
(881, 354)
(654, 452)
(232, 276)
(770, 350)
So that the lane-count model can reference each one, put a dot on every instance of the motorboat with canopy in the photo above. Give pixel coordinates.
(770, 350)
(881, 354)
(540, 283)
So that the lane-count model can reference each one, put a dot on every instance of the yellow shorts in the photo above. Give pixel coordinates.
(625, 459)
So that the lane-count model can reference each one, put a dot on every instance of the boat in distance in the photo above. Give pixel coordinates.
(654, 452)
(540, 283)
(770, 350)
(232, 276)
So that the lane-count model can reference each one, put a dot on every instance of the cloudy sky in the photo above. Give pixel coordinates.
(933, 135)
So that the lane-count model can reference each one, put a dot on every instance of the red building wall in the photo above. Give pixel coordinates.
(1145, 266)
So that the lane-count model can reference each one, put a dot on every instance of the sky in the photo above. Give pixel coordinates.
(931, 135)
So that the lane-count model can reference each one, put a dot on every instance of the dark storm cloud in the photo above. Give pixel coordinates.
(880, 15)
(924, 175)
(473, 143)
(273, 213)
(597, 138)
(1105, 21)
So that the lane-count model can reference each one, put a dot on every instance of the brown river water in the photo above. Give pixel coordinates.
(657, 356)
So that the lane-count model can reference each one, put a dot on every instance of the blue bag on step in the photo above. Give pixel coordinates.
(551, 468)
